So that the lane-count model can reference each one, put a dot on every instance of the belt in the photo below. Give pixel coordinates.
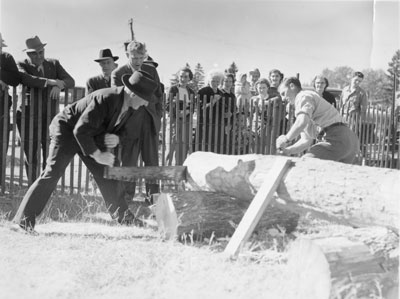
(333, 125)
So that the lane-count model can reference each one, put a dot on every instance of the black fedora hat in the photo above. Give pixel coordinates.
(142, 84)
(34, 44)
(105, 54)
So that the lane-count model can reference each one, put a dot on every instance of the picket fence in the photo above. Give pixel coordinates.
(191, 126)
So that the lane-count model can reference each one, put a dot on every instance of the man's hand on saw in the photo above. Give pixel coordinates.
(104, 158)
(111, 140)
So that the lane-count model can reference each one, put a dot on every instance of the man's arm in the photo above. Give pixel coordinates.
(91, 124)
(9, 71)
(63, 75)
(299, 125)
(30, 80)
(301, 145)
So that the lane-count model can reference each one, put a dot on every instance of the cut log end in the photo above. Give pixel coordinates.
(334, 268)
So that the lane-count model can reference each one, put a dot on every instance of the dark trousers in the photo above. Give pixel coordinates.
(4, 137)
(140, 138)
(32, 145)
(63, 148)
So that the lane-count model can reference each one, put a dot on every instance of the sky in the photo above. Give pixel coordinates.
(294, 36)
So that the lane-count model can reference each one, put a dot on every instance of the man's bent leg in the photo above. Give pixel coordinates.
(40, 191)
(111, 190)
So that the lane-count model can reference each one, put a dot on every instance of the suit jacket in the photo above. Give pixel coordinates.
(9, 74)
(97, 82)
(155, 109)
(88, 119)
(9, 71)
(52, 69)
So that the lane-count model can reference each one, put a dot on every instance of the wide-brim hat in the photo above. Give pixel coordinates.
(105, 54)
(2, 44)
(34, 44)
(142, 84)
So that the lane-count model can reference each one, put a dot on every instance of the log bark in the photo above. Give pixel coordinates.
(337, 268)
(348, 194)
(206, 213)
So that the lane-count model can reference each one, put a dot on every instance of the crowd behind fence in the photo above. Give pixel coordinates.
(225, 128)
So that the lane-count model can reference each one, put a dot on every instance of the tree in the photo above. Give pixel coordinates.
(377, 85)
(198, 77)
(233, 69)
(394, 68)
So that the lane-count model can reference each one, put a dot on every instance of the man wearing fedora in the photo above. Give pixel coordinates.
(89, 127)
(9, 76)
(49, 77)
(146, 141)
(107, 63)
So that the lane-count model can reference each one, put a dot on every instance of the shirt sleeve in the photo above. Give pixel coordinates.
(305, 104)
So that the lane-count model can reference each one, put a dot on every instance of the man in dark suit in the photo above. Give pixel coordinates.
(49, 77)
(107, 63)
(89, 128)
(146, 143)
(9, 76)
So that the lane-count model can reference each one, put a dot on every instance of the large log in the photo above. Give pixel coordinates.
(337, 267)
(206, 213)
(349, 194)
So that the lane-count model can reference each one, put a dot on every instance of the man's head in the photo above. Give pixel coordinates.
(254, 75)
(136, 53)
(107, 61)
(275, 77)
(185, 75)
(263, 86)
(289, 89)
(356, 80)
(35, 50)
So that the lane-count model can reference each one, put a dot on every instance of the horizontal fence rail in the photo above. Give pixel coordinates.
(188, 125)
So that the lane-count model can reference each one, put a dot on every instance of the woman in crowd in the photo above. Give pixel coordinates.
(227, 109)
(207, 98)
(264, 106)
(180, 103)
(320, 83)
(242, 89)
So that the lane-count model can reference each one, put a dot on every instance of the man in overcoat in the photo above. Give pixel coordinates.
(49, 78)
(146, 143)
(89, 128)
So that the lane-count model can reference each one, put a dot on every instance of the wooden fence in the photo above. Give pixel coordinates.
(187, 127)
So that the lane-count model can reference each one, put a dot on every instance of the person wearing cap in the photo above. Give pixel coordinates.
(9, 76)
(254, 75)
(339, 142)
(147, 142)
(107, 63)
(50, 78)
(353, 100)
(90, 127)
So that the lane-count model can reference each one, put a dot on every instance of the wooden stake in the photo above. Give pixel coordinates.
(257, 206)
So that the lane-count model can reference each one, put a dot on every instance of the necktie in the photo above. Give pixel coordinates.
(40, 70)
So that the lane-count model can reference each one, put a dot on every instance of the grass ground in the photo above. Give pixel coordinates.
(80, 252)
